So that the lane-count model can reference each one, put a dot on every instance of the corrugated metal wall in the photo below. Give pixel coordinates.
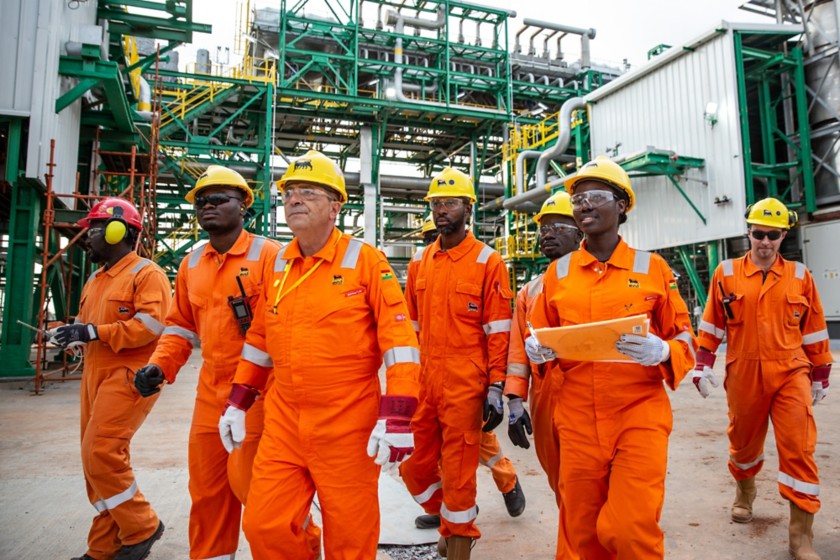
(665, 109)
(32, 37)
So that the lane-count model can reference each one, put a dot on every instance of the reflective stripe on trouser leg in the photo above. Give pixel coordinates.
(749, 416)
(491, 456)
(421, 471)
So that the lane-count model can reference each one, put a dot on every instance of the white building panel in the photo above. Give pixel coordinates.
(819, 246)
(32, 37)
(661, 106)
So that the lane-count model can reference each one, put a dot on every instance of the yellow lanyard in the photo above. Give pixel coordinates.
(298, 282)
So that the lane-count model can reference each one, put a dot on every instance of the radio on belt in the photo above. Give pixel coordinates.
(241, 309)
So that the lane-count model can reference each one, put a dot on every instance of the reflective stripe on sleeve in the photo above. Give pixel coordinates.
(427, 494)
(140, 266)
(518, 370)
(686, 337)
(150, 322)
(256, 356)
(484, 255)
(815, 337)
(195, 256)
(401, 355)
(535, 286)
(279, 261)
(641, 262)
(799, 270)
(493, 327)
(464, 516)
(745, 466)
(728, 269)
(189, 335)
(416, 326)
(563, 266)
(711, 329)
(351, 255)
(799, 485)
(116, 500)
(256, 248)
(419, 254)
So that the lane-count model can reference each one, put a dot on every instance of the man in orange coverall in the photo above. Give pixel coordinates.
(460, 298)
(615, 417)
(332, 312)
(216, 293)
(559, 235)
(489, 451)
(120, 318)
(777, 365)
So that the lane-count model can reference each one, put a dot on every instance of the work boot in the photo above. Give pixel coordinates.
(742, 508)
(455, 547)
(802, 534)
(515, 500)
(427, 521)
(83, 557)
(140, 550)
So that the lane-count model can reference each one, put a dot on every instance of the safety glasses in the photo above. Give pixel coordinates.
(448, 203)
(215, 199)
(305, 193)
(759, 235)
(557, 229)
(592, 199)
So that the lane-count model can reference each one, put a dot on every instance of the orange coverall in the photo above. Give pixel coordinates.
(489, 450)
(218, 481)
(460, 299)
(777, 333)
(615, 417)
(520, 374)
(126, 303)
(340, 314)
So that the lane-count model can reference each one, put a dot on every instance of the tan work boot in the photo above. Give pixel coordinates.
(455, 547)
(742, 508)
(802, 534)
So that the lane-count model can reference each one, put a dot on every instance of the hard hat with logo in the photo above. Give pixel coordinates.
(603, 170)
(451, 183)
(118, 214)
(428, 225)
(218, 176)
(771, 212)
(317, 169)
(559, 204)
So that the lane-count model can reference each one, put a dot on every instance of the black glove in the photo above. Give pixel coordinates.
(520, 422)
(77, 334)
(148, 380)
(494, 410)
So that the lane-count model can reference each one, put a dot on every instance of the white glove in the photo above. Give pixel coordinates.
(819, 383)
(390, 443)
(647, 350)
(232, 428)
(703, 374)
(537, 353)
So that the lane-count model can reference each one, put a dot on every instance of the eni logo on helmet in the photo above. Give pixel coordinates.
(767, 213)
(550, 203)
(303, 164)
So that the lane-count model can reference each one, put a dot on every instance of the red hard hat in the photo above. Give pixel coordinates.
(107, 208)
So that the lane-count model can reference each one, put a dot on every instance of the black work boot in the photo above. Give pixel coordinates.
(515, 500)
(140, 550)
(427, 521)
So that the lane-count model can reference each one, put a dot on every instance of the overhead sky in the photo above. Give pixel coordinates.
(625, 29)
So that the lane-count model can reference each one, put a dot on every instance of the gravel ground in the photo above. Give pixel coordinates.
(422, 552)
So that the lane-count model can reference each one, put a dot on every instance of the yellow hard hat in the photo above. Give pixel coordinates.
(604, 170)
(560, 204)
(218, 176)
(771, 212)
(317, 169)
(428, 225)
(451, 183)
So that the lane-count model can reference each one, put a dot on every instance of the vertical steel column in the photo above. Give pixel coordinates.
(805, 155)
(684, 252)
(369, 186)
(15, 342)
(743, 113)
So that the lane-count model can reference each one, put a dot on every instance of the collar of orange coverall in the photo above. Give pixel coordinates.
(129, 259)
(327, 252)
(750, 268)
(457, 252)
(240, 246)
(622, 256)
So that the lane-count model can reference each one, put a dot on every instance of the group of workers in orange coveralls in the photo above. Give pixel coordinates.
(292, 338)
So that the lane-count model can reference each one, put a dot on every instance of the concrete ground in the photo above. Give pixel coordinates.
(45, 512)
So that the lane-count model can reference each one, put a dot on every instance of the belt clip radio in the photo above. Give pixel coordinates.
(241, 309)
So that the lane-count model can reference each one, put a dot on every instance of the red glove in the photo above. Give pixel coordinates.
(703, 374)
(232, 422)
(819, 382)
(391, 440)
